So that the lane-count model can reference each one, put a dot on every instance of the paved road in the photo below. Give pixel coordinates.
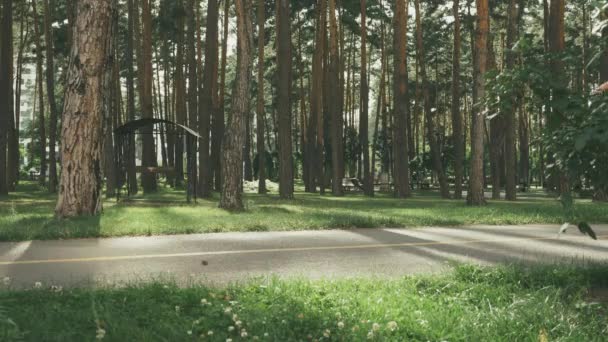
(221, 258)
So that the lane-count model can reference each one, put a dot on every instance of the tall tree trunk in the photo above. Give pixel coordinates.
(232, 161)
(130, 153)
(368, 182)
(218, 128)
(180, 96)
(82, 124)
(193, 101)
(261, 16)
(39, 84)
(50, 92)
(6, 88)
(475, 195)
(207, 106)
(336, 124)
(400, 102)
(13, 143)
(148, 180)
(429, 114)
(457, 130)
(286, 173)
(510, 152)
(315, 127)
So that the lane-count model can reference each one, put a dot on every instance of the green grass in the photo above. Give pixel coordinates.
(509, 303)
(28, 214)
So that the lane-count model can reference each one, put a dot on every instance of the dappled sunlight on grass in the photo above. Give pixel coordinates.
(506, 303)
(28, 214)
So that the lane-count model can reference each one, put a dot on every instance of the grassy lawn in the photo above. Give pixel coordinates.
(28, 214)
(509, 303)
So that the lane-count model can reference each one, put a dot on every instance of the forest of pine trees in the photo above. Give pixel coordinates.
(461, 96)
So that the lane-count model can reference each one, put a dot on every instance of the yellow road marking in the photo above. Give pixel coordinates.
(270, 250)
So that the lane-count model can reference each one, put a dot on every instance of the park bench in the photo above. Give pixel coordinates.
(351, 184)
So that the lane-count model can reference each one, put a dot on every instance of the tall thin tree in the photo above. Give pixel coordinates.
(401, 172)
(232, 161)
(148, 179)
(286, 174)
(206, 108)
(261, 16)
(368, 184)
(50, 93)
(6, 87)
(457, 131)
(475, 195)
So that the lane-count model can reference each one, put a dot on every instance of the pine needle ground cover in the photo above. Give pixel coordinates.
(28, 214)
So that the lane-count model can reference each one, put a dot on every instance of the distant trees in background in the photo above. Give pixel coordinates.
(486, 94)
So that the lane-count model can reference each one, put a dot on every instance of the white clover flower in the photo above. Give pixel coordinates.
(189, 332)
(341, 325)
(37, 285)
(100, 334)
(177, 308)
(210, 333)
(231, 328)
(55, 288)
(235, 317)
(327, 333)
(355, 328)
(375, 327)
(6, 280)
(238, 323)
(204, 301)
(243, 333)
(265, 334)
(196, 322)
(228, 340)
(370, 335)
(392, 325)
(227, 310)
(284, 321)
(255, 338)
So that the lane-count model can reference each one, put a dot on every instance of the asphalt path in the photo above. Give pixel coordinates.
(217, 259)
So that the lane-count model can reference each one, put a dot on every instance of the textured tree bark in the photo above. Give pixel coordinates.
(368, 183)
(475, 195)
(50, 92)
(6, 88)
(180, 96)
(457, 130)
(261, 14)
(82, 126)
(400, 102)
(148, 180)
(232, 161)
(206, 106)
(286, 186)
(432, 134)
(510, 144)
